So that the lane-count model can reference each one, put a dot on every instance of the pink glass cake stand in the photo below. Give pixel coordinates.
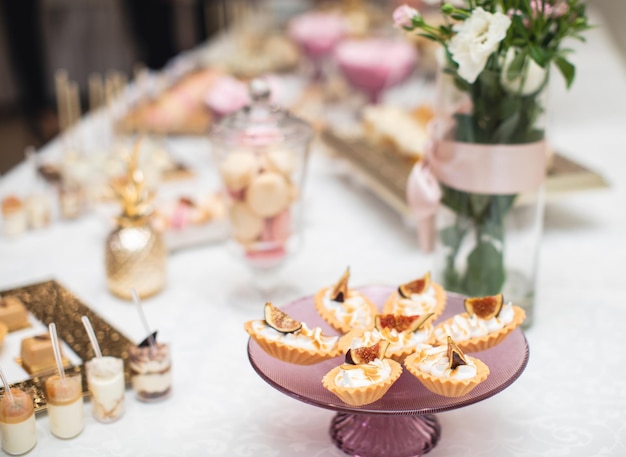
(403, 422)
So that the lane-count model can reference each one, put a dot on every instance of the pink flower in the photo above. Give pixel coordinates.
(560, 9)
(549, 9)
(540, 7)
(511, 12)
(403, 16)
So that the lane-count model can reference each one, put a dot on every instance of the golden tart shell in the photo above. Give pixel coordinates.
(481, 343)
(329, 317)
(447, 387)
(364, 395)
(397, 355)
(290, 354)
(440, 298)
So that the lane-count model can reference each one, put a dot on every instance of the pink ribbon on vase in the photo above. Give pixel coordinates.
(470, 167)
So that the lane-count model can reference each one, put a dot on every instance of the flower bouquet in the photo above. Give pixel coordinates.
(489, 139)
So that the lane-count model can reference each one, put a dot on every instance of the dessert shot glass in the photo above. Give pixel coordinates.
(105, 379)
(17, 422)
(151, 371)
(65, 405)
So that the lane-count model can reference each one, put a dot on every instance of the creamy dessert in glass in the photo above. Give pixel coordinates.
(65, 405)
(17, 422)
(38, 210)
(151, 373)
(14, 219)
(105, 378)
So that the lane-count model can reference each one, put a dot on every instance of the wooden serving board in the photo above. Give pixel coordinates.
(385, 173)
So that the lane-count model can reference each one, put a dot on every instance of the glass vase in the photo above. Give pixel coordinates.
(492, 253)
(490, 161)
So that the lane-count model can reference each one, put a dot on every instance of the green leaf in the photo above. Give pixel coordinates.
(450, 236)
(516, 66)
(538, 54)
(519, 27)
(465, 131)
(493, 229)
(428, 36)
(485, 270)
(479, 204)
(456, 200)
(493, 225)
(502, 204)
(505, 131)
(567, 70)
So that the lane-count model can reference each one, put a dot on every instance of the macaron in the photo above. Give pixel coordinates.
(246, 225)
(268, 194)
(282, 161)
(238, 169)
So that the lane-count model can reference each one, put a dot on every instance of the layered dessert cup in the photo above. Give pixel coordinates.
(65, 405)
(18, 433)
(151, 371)
(105, 378)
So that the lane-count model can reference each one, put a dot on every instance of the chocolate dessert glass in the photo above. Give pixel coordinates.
(151, 371)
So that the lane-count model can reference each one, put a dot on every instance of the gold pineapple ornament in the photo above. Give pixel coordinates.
(135, 253)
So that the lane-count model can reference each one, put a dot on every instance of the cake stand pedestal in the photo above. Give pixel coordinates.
(392, 436)
(403, 422)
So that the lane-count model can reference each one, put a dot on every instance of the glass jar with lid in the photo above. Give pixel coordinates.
(261, 152)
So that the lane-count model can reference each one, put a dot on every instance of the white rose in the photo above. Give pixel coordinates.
(476, 39)
(528, 81)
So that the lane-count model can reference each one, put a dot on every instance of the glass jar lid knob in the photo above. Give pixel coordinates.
(259, 90)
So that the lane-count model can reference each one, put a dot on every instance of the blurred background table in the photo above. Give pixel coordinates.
(570, 401)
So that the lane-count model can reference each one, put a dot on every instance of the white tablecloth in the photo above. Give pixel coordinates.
(570, 401)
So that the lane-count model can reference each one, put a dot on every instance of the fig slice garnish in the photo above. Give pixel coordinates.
(417, 286)
(279, 320)
(366, 354)
(340, 290)
(456, 357)
(484, 307)
(401, 322)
